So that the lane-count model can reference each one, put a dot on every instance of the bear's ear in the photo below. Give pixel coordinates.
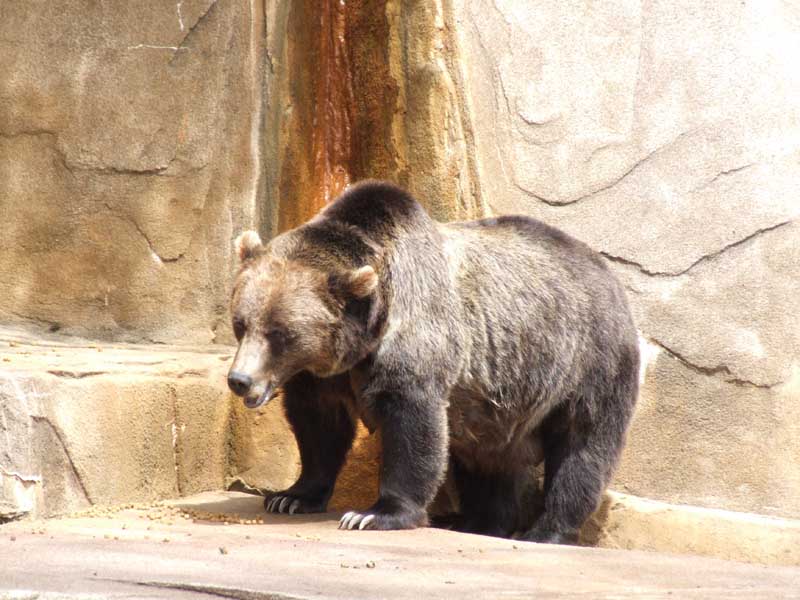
(362, 282)
(358, 283)
(248, 245)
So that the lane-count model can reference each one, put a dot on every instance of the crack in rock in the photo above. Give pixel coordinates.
(634, 167)
(20, 477)
(72, 168)
(153, 47)
(75, 374)
(73, 468)
(721, 174)
(212, 590)
(132, 221)
(157, 170)
(706, 257)
(716, 371)
(175, 429)
(200, 20)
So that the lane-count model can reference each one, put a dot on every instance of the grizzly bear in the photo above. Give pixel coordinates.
(490, 345)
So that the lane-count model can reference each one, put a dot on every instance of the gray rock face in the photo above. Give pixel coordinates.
(666, 135)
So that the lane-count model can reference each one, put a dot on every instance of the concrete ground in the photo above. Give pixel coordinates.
(185, 549)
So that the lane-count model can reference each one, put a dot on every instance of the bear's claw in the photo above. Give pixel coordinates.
(278, 504)
(353, 520)
(290, 504)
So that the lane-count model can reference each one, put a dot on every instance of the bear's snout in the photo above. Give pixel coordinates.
(239, 383)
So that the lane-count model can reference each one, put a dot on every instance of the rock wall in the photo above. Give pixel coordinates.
(137, 140)
(129, 156)
(667, 136)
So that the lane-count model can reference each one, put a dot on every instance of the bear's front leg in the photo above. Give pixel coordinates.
(413, 428)
(324, 432)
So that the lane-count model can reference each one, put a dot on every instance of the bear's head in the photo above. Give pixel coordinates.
(292, 315)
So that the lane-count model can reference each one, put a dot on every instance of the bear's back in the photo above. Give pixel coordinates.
(378, 209)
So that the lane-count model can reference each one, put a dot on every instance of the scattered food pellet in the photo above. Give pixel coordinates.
(371, 564)
(223, 550)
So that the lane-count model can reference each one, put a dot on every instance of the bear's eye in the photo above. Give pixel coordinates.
(277, 339)
(239, 328)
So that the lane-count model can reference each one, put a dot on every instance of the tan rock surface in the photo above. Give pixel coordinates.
(86, 423)
(629, 522)
(667, 137)
(307, 556)
(129, 158)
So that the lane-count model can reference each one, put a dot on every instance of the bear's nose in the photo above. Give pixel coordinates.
(239, 383)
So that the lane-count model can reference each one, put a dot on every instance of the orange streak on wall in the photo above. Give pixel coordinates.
(332, 125)
(318, 166)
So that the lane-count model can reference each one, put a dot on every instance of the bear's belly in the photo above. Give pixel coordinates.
(492, 436)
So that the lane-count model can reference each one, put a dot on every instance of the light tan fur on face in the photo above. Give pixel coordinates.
(275, 293)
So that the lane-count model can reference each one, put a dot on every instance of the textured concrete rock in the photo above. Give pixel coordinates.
(632, 523)
(107, 424)
(307, 557)
(699, 439)
(666, 135)
(129, 158)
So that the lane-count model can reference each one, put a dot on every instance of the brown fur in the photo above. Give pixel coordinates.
(497, 342)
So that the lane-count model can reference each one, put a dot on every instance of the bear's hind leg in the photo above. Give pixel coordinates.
(487, 501)
(324, 432)
(580, 457)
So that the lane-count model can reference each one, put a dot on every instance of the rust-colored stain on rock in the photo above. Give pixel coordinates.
(333, 134)
(326, 112)
(334, 106)
(317, 166)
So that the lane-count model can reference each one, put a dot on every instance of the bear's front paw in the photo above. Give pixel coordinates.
(284, 502)
(385, 515)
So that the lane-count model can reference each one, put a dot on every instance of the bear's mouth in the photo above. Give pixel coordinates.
(262, 399)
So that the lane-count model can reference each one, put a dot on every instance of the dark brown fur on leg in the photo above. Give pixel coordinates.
(324, 432)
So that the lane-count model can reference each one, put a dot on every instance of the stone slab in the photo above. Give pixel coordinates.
(84, 423)
(131, 555)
